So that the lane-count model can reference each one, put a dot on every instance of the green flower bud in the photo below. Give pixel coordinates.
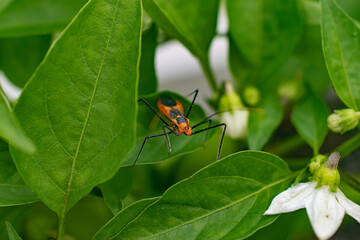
(316, 162)
(343, 120)
(251, 95)
(230, 100)
(290, 90)
(328, 174)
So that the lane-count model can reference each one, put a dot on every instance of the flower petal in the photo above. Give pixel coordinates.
(325, 212)
(292, 199)
(350, 207)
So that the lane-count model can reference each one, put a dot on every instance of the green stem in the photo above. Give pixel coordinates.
(349, 146)
(205, 65)
(61, 226)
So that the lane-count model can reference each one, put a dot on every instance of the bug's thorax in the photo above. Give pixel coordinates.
(174, 112)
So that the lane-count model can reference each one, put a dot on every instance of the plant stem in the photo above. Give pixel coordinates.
(205, 64)
(61, 226)
(349, 146)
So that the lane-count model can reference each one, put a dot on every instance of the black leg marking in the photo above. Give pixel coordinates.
(146, 138)
(152, 109)
(201, 123)
(167, 136)
(222, 136)
(193, 101)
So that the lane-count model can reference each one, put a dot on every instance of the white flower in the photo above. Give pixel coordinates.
(236, 122)
(325, 209)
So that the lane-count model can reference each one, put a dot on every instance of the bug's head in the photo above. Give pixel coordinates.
(184, 128)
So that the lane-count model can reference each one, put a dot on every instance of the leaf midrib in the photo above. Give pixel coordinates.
(67, 193)
(211, 213)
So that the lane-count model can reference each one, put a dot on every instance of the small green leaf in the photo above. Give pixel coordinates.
(13, 190)
(12, 232)
(155, 149)
(116, 189)
(15, 215)
(80, 105)
(264, 121)
(25, 18)
(193, 23)
(225, 200)
(265, 33)
(147, 78)
(10, 129)
(341, 46)
(310, 120)
(19, 57)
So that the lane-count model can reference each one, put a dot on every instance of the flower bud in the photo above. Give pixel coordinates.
(251, 95)
(328, 174)
(232, 114)
(316, 162)
(290, 90)
(343, 120)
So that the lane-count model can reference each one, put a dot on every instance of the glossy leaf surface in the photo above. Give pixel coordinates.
(116, 189)
(19, 57)
(80, 106)
(225, 200)
(309, 117)
(341, 46)
(24, 18)
(147, 79)
(191, 22)
(10, 130)
(13, 190)
(264, 121)
(275, 27)
(155, 149)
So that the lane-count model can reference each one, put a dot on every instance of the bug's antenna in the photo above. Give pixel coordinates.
(193, 101)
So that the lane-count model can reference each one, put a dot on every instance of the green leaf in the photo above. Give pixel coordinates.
(10, 129)
(341, 46)
(155, 149)
(225, 200)
(19, 57)
(13, 190)
(116, 189)
(15, 215)
(147, 78)
(193, 23)
(123, 218)
(264, 121)
(4, 4)
(24, 18)
(12, 232)
(80, 105)
(275, 27)
(310, 120)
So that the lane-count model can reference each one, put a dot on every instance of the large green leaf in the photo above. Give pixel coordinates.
(155, 149)
(128, 214)
(13, 190)
(24, 18)
(226, 200)
(264, 121)
(193, 23)
(310, 120)
(116, 189)
(341, 46)
(12, 232)
(265, 33)
(80, 105)
(19, 57)
(4, 4)
(10, 130)
(147, 79)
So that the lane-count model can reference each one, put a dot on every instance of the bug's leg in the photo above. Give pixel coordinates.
(143, 144)
(201, 123)
(193, 101)
(167, 136)
(222, 136)
(152, 109)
